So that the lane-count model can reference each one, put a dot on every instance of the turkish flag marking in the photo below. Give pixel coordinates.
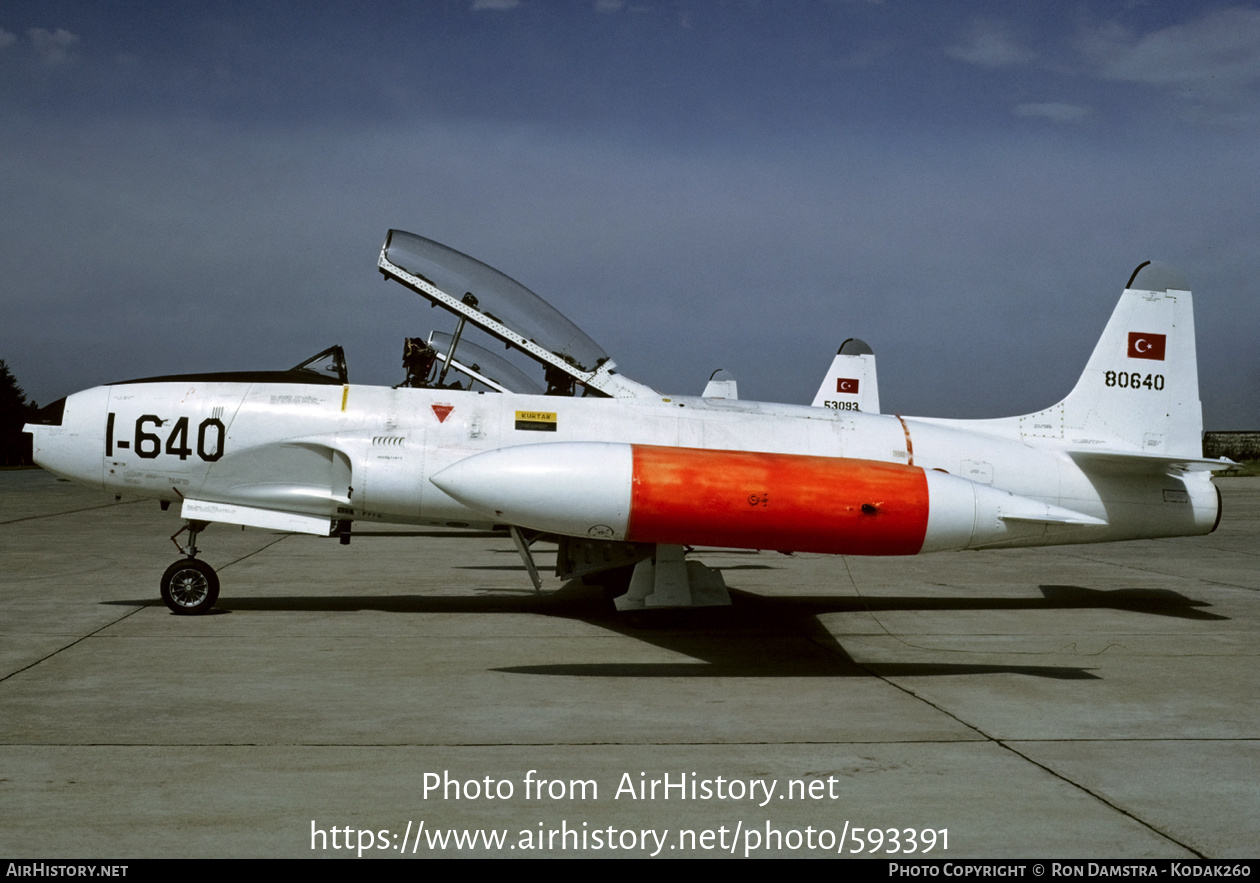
(846, 384)
(1146, 346)
(442, 411)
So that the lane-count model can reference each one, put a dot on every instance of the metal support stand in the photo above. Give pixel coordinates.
(667, 580)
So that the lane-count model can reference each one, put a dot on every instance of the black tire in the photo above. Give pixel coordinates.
(190, 587)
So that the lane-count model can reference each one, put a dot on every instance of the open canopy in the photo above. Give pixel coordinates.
(502, 307)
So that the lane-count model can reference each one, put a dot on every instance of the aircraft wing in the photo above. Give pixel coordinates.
(254, 516)
(300, 486)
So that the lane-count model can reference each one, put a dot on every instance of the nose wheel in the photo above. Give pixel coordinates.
(189, 586)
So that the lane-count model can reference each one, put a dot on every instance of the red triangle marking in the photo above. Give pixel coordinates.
(442, 412)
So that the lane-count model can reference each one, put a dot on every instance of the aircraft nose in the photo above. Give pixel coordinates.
(68, 436)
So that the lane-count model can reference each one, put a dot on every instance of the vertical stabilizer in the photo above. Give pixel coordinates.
(849, 384)
(1140, 388)
(721, 385)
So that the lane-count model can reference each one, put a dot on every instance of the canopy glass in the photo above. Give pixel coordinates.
(493, 295)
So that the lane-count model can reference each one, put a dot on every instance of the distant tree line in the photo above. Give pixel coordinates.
(15, 410)
(1243, 445)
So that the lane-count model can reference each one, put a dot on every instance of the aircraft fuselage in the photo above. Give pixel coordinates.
(820, 480)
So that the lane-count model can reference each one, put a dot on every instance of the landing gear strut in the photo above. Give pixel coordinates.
(190, 587)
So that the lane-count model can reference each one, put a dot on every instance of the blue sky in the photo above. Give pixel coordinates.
(966, 186)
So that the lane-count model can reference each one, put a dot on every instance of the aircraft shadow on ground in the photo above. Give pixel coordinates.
(756, 636)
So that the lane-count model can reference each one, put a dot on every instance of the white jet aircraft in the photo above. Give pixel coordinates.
(625, 478)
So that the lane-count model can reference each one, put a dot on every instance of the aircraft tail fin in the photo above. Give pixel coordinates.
(849, 384)
(721, 385)
(1139, 392)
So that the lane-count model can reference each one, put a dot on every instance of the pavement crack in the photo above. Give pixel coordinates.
(77, 640)
(256, 551)
(999, 742)
(1053, 772)
(72, 511)
(1129, 566)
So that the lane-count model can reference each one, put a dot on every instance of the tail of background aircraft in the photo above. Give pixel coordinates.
(849, 384)
(721, 385)
(1139, 393)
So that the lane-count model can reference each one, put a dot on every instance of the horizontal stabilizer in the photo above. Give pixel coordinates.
(1122, 462)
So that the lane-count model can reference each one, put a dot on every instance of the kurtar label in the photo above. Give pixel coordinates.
(536, 421)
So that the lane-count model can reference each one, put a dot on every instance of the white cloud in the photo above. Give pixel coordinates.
(990, 45)
(6, 39)
(1054, 110)
(1215, 58)
(496, 5)
(53, 46)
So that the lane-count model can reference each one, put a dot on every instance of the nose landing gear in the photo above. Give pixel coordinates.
(190, 587)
